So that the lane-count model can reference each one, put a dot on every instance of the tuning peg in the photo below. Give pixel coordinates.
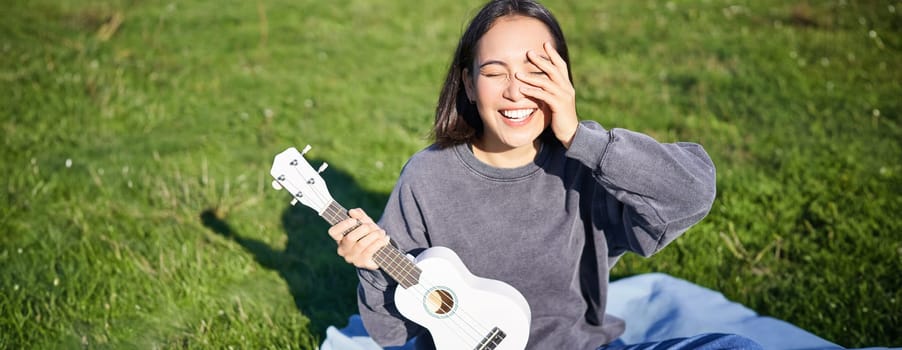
(322, 167)
(276, 185)
(294, 201)
(306, 149)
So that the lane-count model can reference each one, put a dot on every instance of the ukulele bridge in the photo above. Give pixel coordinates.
(491, 340)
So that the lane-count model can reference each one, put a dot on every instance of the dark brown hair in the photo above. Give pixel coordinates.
(456, 118)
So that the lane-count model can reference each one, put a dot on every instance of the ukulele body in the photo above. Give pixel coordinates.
(461, 310)
(436, 291)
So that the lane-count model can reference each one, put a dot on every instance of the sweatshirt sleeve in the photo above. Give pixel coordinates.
(662, 188)
(375, 293)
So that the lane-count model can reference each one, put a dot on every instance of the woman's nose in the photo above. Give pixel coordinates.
(512, 92)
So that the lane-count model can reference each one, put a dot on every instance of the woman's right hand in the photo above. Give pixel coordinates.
(358, 239)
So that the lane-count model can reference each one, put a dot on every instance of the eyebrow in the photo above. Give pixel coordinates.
(505, 64)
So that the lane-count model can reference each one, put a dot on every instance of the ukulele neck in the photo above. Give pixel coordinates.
(390, 259)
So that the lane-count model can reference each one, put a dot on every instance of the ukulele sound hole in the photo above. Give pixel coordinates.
(439, 302)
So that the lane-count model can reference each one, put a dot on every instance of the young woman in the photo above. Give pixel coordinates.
(524, 192)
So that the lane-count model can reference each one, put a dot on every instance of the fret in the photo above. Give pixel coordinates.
(292, 173)
(335, 213)
(391, 260)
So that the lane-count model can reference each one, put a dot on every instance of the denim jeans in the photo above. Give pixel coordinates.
(707, 341)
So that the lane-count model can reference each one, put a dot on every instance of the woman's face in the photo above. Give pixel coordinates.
(511, 120)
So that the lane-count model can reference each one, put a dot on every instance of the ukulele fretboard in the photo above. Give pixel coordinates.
(390, 259)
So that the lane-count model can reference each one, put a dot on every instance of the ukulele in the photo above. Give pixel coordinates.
(435, 289)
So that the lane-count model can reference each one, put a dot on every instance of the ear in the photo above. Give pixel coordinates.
(468, 85)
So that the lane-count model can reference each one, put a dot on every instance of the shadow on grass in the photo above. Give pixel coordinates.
(323, 286)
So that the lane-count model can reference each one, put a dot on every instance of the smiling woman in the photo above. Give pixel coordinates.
(180, 109)
(527, 194)
(505, 86)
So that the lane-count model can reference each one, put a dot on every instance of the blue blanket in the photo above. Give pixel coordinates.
(656, 307)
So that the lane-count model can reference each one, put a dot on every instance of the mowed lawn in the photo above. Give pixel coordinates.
(138, 136)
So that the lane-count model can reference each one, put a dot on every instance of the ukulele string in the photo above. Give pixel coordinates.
(466, 325)
(471, 325)
(460, 318)
(462, 323)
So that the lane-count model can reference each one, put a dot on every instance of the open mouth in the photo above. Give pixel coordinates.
(518, 114)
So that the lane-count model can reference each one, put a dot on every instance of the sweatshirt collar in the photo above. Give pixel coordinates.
(465, 154)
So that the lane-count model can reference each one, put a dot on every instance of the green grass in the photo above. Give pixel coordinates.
(137, 210)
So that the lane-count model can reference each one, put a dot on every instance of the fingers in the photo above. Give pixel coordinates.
(360, 252)
(555, 89)
(358, 213)
(358, 233)
(554, 94)
(538, 83)
(357, 218)
(358, 239)
(551, 63)
(341, 229)
(538, 93)
(556, 59)
(556, 80)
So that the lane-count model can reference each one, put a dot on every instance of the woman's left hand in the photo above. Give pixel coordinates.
(554, 89)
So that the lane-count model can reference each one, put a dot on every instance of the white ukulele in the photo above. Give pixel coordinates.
(435, 290)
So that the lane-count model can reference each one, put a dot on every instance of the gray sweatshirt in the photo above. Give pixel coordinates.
(552, 229)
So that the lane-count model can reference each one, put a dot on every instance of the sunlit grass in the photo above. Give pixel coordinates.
(138, 138)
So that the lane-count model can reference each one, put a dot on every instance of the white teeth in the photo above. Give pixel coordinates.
(517, 113)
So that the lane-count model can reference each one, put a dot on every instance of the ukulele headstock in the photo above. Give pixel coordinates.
(294, 174)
